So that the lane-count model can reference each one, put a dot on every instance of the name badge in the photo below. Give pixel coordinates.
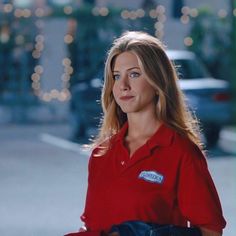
(151, 176)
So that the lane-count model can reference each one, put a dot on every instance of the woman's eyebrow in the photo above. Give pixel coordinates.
(131, 68)
(135, 67)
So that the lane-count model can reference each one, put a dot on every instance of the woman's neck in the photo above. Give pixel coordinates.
(140, 130)
(142, 125)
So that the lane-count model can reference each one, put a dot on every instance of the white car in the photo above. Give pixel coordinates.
(208, 97)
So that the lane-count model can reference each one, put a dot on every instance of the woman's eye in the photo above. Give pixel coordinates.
(134, 74)
(116, 77)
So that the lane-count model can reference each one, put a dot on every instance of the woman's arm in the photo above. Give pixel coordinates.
(208, 232)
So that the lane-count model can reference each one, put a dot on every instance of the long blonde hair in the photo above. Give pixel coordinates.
(161, 74)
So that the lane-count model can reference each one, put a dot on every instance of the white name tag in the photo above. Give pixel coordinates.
(151, 176)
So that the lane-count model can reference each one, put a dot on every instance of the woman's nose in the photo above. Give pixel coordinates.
(124, 83)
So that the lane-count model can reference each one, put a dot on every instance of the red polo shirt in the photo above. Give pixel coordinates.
(166, 181)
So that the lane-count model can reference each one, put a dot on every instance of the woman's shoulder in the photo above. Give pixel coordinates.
(187, 148)
(101, 147)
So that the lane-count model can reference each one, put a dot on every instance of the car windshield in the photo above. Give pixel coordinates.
(190, 69)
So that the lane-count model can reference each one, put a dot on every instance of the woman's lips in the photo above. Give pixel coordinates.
(126, 98)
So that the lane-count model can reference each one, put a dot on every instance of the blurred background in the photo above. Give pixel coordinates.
(52, 56)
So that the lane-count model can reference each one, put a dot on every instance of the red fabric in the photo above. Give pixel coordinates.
(166, 182)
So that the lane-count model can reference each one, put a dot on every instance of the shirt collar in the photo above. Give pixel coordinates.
(121, 134)
(162, 137)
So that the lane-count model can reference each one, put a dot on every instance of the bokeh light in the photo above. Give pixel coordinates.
(188, 41)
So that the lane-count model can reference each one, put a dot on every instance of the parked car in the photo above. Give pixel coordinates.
(208, 98)
(85, 107)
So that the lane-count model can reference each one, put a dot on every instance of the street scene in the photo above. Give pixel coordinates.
(52, 56)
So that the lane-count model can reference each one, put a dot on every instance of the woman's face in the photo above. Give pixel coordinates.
(131, 90)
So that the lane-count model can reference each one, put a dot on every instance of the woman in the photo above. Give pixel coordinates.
(147, 164)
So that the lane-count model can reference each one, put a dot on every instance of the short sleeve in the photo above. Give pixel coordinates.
(197, 196)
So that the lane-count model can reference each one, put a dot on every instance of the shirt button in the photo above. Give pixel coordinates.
(122, 163)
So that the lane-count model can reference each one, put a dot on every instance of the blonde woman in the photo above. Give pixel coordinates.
(147, 164)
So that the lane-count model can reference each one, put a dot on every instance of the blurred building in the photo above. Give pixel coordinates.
(47, 46)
